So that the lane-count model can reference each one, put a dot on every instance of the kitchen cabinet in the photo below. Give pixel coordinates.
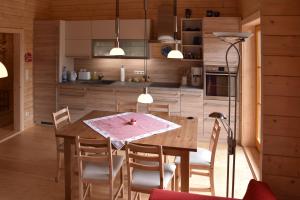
(78, 35)
(78, 30)
(78, 48)
(103, 29)
(100, 98)
(45, 69)
(214, 50)
(222, 107)
(127, 94)
(167, 95)
(191, 104)
(75, 98)
(132, 29)
(132, 48)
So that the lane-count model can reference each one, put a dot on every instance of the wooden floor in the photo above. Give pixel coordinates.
(6, 131)
(27, 169)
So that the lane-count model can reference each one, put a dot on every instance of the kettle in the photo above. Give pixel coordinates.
(72, 76)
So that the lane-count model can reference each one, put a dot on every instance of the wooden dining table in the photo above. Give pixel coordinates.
(178, 142)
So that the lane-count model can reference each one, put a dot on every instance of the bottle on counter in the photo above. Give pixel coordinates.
(122, 73)
(64, 76)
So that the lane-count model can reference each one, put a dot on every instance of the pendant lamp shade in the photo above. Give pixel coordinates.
(3, 71)
(175, 54)
(117, 51)
(145, 97)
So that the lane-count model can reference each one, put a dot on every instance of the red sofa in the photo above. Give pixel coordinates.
(256, 191)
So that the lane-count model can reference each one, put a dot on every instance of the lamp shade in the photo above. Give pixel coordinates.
(175, 54)
(145, 98)
(117, 51)
(3, 71)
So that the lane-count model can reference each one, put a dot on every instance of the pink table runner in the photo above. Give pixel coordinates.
(118, 128)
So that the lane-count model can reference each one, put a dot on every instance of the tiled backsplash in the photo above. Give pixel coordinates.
(159, 70)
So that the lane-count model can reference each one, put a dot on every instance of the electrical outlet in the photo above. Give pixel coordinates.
(27, 114)
(138, 72)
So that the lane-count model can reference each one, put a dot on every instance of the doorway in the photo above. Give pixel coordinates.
(7, 85)
(11, 87)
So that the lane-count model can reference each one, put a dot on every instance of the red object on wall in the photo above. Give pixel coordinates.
(28, 57)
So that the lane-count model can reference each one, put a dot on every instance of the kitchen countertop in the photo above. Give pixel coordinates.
(128, 84)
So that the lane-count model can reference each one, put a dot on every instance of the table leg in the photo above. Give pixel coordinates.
(68, 168)
(185, 171)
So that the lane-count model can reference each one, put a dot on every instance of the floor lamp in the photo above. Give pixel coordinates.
(233, 39)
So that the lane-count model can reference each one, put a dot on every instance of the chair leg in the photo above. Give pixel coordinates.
(211, 179)
(177, 171)
(139, 196)
(173, 183)
(129, 194)
(111, 191)
(58, 167)
(122, 182)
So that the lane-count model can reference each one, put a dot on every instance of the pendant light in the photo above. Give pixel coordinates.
(145, 97)
(175, 54)
(117, 51)
(3, 71)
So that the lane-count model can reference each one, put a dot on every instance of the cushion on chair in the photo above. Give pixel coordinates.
(158, 194)
(258, 191)
(100, 171)
(151, 179)
(201, 157)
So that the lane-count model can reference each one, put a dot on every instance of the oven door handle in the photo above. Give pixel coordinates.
(220, 74)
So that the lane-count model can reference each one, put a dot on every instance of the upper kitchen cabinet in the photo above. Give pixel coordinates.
(134, 29)
(78, 38)
(130, 29)
(214, 50)
(103, 29)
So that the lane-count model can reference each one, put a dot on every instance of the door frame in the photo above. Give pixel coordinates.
(18, 38)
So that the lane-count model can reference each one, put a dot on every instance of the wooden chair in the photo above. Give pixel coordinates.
(98, 165)
(159, 108)
(122, 106)
(203, 160)
(61, 119)
(146, 169)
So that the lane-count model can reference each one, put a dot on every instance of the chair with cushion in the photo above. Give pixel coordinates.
(146, 169)
(61, 119)
(202, 161)
(123, 106)
(98, 165)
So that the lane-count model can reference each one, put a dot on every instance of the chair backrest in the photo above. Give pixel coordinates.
(148, 158)
(214, 140)
(159, 108)
(123, 106)
(61, 118)
(94, 151)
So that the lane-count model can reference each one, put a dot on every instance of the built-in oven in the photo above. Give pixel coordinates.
(216, 83)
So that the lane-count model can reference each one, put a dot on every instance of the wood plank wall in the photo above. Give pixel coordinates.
(247, 7)
(281, 96)
(20, 14)
(133, 9)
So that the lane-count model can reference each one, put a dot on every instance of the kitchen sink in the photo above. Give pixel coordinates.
(165, 85)
(103, 82)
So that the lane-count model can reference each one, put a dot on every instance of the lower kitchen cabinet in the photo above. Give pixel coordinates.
(169, 96)
(75, 99)
(191, 103)
(100, 98)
